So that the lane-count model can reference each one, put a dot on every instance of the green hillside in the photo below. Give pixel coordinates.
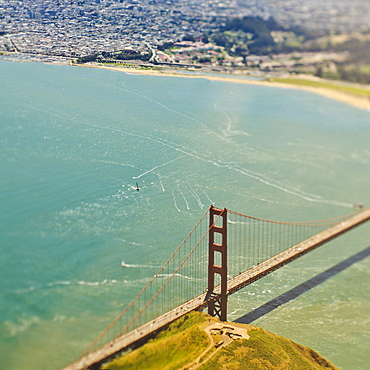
(326, 84)
(198, 341)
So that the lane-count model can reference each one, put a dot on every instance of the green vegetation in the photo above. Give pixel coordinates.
(186, 322)
(260, 29)
(128, 55)
(112, 57)
(87, 59)
(244, 36)
(170, 350)
(356, 67)
(150, 68)
(333, 86)
(182, 341)
(281, 49)
(264, 350)
(253, 35)
(124, 65)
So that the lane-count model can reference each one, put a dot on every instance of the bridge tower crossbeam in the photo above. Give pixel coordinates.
(219, 287)
(218, 301)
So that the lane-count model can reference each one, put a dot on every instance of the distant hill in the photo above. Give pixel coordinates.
(199, 341)
(254, 35)
(259, 28)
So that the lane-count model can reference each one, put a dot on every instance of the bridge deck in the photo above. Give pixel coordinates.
(289, 255)
(234, 284)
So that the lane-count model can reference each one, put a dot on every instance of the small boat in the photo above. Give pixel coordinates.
(137, 187)
(358, 205)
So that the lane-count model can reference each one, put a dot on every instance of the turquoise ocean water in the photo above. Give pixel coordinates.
(73, 144)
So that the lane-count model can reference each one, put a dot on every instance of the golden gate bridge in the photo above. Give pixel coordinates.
(224, 253)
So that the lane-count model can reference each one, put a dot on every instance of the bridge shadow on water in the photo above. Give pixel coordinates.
(302, 288)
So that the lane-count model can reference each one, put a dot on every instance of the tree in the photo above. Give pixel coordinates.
(188, 38)
(87, 58)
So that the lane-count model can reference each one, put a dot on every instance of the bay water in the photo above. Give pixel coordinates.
(74, 142)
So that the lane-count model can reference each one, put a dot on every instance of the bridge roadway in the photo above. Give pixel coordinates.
(233, 285)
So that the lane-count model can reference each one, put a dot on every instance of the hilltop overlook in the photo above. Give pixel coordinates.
(199, 341)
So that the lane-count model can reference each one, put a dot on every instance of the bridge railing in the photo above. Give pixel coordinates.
(184, 275)
(252, 240)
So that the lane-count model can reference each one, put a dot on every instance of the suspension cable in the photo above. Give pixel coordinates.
(88, 349)
(329, 221)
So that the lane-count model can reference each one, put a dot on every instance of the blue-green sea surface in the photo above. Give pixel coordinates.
(75, 141)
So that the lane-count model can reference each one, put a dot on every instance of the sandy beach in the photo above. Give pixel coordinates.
(353, 100)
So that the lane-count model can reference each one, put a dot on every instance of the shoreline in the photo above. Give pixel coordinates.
(360, 102)
(347, 98)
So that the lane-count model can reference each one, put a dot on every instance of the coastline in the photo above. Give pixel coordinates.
(361, 102)
(347, 98)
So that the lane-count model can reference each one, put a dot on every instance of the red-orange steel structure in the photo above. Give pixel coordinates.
(218, 306)
(253, 253)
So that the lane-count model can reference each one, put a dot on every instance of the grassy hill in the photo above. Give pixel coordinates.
(356, 90)
(191, 343)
